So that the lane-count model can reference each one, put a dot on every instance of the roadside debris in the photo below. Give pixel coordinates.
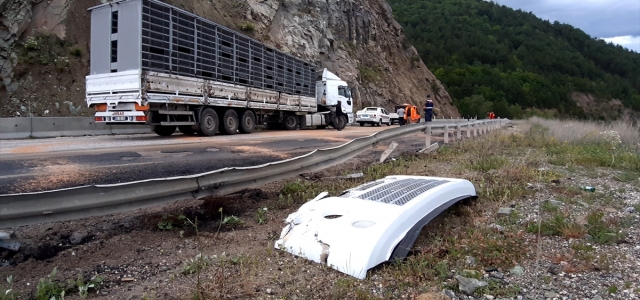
(469, 285)
(504, 212)
(429, 149)
(352, 176)
(588, 189)
(370, 224)
(387, 152)
(7, 241)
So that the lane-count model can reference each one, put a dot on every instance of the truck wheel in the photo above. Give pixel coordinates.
(229, 122)
(187, 130)
(163, 130)
(208, 122)
(361, 124)
(247, 122)
(379, 123)
(340, 122)
(290, 122)
(389, 123)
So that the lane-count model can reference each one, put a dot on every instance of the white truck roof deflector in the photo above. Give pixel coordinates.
(369, 224)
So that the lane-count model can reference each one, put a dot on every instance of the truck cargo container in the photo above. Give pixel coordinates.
(155, 64)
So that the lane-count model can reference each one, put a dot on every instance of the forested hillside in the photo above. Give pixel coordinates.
(491, 57)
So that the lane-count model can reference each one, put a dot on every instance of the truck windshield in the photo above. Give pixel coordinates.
(344, 92)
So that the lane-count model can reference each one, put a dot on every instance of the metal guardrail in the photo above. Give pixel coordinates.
(86, 201)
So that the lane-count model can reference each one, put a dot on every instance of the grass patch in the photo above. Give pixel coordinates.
(612, 145)
(487, 163)
(626, 176)
(559, 225)
(76, 51)
(7, 293)
(247, 26)
(499, 289)
(45, 49)
(603, 231)
(370, 74)
(51, 288)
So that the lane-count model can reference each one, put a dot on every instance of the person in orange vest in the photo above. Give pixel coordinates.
(407, 114)
(492, 115)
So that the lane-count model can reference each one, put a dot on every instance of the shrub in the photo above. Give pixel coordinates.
(247, 26)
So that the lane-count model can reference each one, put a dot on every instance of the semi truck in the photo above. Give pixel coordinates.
(157, 65)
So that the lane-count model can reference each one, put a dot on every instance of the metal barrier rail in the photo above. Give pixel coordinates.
(86, 201)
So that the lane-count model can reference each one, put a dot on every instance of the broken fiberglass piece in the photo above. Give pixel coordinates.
(369, 224)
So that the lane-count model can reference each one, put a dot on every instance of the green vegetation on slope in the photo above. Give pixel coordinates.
(491, 57)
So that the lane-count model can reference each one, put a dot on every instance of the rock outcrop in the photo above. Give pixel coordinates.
(357, 39)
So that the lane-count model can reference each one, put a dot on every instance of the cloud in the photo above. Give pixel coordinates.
(627, 41)
(598, 18)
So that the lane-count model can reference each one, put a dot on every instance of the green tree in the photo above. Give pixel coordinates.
(513, 60)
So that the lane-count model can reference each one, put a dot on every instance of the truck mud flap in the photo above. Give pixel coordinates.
(370, 224)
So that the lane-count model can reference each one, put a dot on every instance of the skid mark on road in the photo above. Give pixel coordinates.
(261, 151)
(157, 154)
(37, 148)
(53, 175)
(336, 139)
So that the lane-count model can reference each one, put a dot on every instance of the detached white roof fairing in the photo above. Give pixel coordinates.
(369, 224)
(327, 75)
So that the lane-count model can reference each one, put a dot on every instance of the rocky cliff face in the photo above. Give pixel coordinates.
(357, 39)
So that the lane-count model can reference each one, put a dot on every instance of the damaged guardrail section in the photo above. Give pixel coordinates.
(86, 201)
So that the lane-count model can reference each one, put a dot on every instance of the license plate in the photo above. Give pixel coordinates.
(120, 118)
(364, 116)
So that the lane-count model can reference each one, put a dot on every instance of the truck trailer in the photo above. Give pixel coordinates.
(155, 64)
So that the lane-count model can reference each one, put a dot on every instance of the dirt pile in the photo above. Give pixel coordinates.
(44, 49)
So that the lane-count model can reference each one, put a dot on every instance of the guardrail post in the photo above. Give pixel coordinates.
(446, 134)
(468, 131)
(428, 137)
(475, 130)
(458, 132)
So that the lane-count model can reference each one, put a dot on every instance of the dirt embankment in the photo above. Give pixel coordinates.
(359, 40)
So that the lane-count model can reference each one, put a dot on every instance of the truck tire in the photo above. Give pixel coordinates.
(163, 130)
(339, 122)
(229, 122)
(187, 130)
(247, 121)
(361, 124)
(379, 123)
(208, 122)
(290, 122)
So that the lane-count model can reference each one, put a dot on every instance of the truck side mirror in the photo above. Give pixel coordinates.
(349, 101)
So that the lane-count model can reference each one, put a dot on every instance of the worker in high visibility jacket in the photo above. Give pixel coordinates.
(407, 114)
(428, 109)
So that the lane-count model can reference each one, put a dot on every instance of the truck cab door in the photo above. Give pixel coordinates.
(344, 96)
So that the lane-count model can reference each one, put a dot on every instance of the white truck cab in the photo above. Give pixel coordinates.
(330, 90)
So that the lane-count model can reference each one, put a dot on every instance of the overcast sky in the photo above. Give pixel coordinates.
(616, 21)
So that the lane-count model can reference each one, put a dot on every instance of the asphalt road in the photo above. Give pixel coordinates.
(33, 165)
